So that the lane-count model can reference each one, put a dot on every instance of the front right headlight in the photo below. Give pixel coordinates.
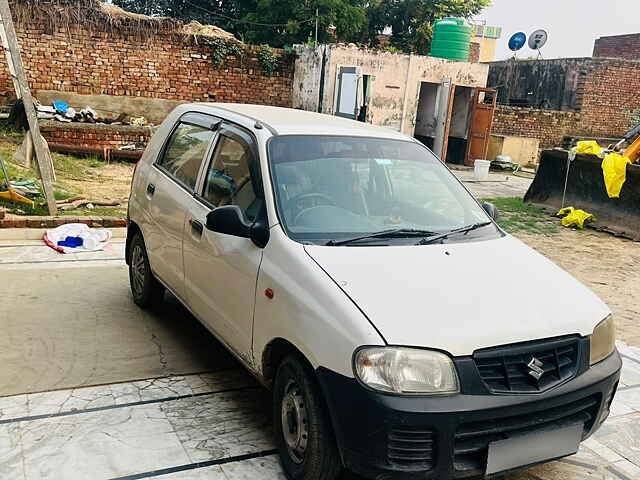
(603, 340)
(406, 371)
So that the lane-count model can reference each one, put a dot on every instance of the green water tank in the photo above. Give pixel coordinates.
(451, 39)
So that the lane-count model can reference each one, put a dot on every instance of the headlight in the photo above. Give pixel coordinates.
(406, 371)
(603, 340)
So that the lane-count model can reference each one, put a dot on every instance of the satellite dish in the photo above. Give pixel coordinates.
(538, 39)
(517, 41)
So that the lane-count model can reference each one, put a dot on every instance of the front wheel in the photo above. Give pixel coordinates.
(302, 427)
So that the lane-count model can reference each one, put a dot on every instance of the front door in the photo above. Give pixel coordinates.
(484, 106)
(169, 190)
(348, 95)
(221, 271)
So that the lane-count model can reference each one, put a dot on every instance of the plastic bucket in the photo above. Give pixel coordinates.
(481, 169)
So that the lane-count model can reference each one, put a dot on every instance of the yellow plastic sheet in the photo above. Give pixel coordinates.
(575, 218)
(614, 167)
(588, 147)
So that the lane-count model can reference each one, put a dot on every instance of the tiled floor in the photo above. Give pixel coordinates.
(218, 426)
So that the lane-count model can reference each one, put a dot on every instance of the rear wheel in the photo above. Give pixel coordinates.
(147, 291)
(303, 431)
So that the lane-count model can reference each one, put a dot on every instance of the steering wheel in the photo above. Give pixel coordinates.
(299, 199)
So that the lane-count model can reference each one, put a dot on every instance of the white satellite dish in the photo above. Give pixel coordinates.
(538, 39)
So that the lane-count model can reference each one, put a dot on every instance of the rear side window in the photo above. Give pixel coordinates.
(185, 153)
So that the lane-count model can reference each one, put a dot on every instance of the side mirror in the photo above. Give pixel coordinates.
(229, 220)
(491, 209)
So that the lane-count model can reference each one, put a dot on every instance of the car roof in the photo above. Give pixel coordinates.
(289, 121)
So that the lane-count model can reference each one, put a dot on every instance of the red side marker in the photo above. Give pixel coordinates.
(268, 293)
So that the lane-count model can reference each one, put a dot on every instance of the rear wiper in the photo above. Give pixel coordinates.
(442, 236)
(396, 232)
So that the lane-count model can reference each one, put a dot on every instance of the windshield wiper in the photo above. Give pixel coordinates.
(396, 232)
(442, 236)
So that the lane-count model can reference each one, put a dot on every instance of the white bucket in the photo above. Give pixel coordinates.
(481, 169)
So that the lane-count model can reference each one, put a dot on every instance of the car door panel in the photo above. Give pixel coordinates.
(221, 270)
(168, 191)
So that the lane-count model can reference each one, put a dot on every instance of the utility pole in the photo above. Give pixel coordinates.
(317, 18)
(14, 59)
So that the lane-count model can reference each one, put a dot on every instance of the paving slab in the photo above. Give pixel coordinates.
(499, 185)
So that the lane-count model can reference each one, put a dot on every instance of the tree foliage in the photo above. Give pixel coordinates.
(285, 22)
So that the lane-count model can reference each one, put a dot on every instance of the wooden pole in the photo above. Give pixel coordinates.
(41, 150)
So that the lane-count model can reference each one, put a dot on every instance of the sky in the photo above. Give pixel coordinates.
(572, 25)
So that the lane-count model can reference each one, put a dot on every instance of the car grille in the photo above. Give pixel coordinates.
(411, 448)
(472, 439)
(508, 369)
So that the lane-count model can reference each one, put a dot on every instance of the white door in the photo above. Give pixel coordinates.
(170, 188)
(221, 270)
(348, 97)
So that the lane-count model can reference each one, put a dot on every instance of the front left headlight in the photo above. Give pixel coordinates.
(406, 371)
(603, 340)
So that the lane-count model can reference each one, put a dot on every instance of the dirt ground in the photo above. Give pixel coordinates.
(608, 265)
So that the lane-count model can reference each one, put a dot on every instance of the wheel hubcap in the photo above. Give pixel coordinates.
(294, 422)
(138, 272)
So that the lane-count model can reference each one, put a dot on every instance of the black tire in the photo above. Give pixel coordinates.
(318, 458)
(147, 291)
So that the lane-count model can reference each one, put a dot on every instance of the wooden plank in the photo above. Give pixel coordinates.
(41, 150)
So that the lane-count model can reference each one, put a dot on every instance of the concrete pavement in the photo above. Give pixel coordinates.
(69, 321)
(126, 395)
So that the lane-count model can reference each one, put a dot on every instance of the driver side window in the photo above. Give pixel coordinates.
(228, 180)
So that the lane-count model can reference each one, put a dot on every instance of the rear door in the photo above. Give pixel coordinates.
(170, 188)
(221, 270)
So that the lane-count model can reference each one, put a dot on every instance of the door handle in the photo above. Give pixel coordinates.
(196, 227)
(151, 189)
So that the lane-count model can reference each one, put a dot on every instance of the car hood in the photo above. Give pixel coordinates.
(461, 297)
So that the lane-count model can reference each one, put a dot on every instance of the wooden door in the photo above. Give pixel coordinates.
(483, 109)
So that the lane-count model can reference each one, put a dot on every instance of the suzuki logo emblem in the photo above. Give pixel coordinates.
(535, 368)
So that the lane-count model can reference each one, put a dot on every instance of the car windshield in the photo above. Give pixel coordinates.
(332, 187)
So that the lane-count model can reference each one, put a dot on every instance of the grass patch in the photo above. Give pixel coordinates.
(517, 216)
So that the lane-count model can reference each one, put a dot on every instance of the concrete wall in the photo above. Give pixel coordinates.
(546, 84)
(396, 88)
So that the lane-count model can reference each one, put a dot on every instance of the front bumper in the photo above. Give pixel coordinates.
(387, 436)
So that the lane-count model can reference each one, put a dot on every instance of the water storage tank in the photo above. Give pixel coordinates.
(451, 39)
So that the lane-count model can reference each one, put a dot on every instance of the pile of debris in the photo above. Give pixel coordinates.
(63, 112)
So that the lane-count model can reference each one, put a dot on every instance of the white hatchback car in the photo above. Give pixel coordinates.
(403, 333)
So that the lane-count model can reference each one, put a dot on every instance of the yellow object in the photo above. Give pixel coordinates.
(574, 218)
(14, 196)
(588, 147)
(614, 167)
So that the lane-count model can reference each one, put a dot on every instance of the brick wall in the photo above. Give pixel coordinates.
(166, 66)
(549, 126)
(607, 104)
(89, 135)
(610, 98)
(619, 46)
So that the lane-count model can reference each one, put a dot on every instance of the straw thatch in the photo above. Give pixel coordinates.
(98, 16)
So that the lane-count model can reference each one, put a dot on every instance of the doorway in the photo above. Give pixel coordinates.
(427, 113)
(457, 118)
(460, 121)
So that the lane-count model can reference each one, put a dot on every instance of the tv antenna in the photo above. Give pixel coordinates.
(537, 40)
(517, 42)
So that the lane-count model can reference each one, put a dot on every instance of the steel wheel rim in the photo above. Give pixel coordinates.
(138, 270)
(295, 428)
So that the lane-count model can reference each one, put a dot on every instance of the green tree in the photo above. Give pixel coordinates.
(411, 21)
(273, 22)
